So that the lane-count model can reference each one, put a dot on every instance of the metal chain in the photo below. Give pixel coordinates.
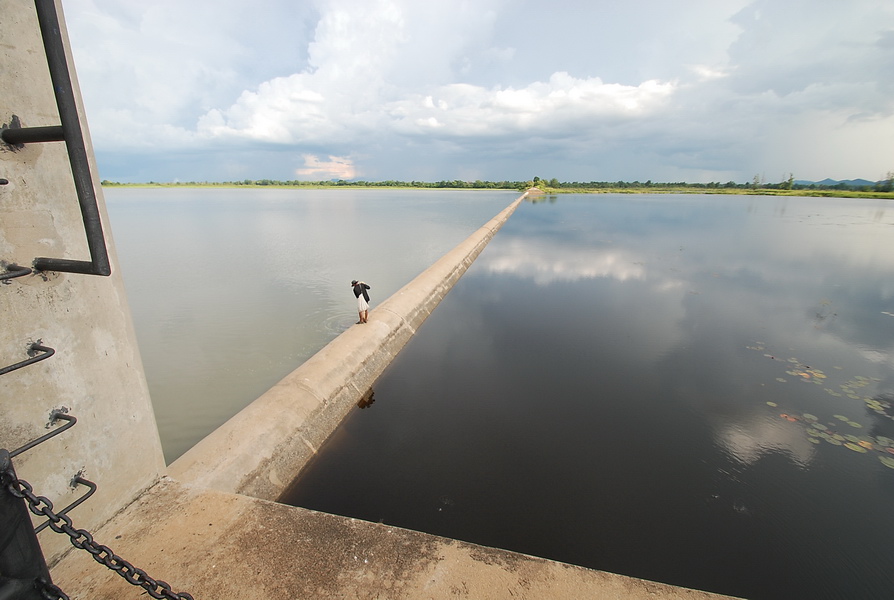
(51, 591)
(41, 506)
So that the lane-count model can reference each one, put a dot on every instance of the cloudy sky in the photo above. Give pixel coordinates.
(693, 90)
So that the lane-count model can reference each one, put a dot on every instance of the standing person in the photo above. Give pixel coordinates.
(362, 299)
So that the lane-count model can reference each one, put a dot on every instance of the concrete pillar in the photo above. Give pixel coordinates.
(96, 373)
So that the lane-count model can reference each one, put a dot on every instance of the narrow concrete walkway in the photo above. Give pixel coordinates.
(262, 449)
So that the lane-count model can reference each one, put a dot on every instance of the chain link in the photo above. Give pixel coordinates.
(41, 506)
(51, 591)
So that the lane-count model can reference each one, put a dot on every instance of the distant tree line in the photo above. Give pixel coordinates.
(886, 185)
(390, 183)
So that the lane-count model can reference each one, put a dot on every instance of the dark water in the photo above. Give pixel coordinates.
(692, 390)
(232, 289)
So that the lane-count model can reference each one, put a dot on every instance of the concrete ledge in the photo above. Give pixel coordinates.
(214, 545)
(260, 450)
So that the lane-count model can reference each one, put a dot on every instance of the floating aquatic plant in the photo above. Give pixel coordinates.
(853, 389)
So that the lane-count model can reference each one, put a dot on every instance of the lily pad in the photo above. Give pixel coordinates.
(855, 424)
(842, 418)
(772, 404)
(887, 461)
(810, 417)
(884, 441)
(855, 447)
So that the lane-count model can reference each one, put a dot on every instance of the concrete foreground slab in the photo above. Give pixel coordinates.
(216, 545)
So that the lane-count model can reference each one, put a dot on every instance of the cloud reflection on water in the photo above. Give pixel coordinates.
(545, 262)
(703, 276)
(751, 438)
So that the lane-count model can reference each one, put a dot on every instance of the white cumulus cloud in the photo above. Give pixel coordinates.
(498, 88)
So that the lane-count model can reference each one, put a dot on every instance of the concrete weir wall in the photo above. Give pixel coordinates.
(261, 450)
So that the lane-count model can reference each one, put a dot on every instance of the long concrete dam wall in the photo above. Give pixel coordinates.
(260, 450)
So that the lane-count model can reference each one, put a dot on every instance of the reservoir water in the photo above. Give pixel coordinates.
(696, 390)
(690, 389)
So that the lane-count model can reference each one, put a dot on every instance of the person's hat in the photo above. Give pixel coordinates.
(353, 282)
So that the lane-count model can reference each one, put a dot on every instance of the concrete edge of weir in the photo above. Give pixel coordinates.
(262, 449)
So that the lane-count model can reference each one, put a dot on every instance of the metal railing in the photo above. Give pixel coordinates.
(72, 134)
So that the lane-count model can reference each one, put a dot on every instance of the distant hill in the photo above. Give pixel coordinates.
(851, 183)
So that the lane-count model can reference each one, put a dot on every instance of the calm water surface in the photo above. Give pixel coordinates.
(232, 289)
(693, 390)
